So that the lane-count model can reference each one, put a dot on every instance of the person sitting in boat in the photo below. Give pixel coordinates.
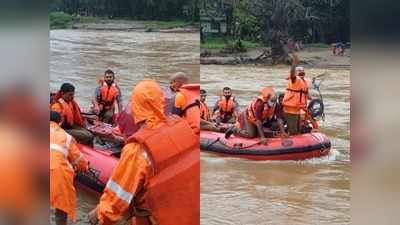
(72, 121)
(259, 111)
(65, 161)
(226, 108)
(107, 94)
(205, 119)
(274, 123)
(156, 180)
(187, 106)
(177, 80)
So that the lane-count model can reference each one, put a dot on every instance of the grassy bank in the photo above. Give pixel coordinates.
(60, 20)
(218, 43)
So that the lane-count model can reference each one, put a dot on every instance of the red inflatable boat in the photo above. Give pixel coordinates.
(297, 147)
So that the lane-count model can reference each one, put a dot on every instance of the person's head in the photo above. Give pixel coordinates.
(269, 96)
(109, 77)
(55, 117)
(300, 71)
(227, 92)
(147, 103)
(67, 92)
(177, 80)
(203, 95)
(272, 100)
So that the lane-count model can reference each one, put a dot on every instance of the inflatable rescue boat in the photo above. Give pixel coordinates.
(298, 147)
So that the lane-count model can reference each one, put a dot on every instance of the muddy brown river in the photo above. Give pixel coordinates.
(233, 191)
(81, 57)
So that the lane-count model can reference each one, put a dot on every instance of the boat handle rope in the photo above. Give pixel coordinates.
(238, 146)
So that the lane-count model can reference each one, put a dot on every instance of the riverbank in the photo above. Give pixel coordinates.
(59, 20)
(316, 56)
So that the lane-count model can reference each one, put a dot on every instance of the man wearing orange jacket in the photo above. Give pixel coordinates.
(295, 99)
(70, 112)
(107, 94)
(259, 111)
(205, 123)
(187, 105)
(157, 178)
(65, 160)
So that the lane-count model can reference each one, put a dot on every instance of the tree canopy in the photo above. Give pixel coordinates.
(133, 9)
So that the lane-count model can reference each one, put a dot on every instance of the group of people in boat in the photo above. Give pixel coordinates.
(143, 158)
(283, 113)
(169, 123)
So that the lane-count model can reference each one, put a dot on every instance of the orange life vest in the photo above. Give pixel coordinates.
(108, 94)
(172, 193)
(191, 112)
(226, 106)
(70, 113)
(268, 112)
(296, 94)
(204, 112)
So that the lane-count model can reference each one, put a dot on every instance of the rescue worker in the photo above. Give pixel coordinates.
(177, 80)
(205, 119)
(295, 99)
(187, 105)
(157, 178)
(106, 95)
(65, 161)
(226, 108)
(72, 121)
(259, 111)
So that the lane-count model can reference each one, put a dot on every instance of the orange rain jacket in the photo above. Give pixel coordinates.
(65, 158)
(157, 179)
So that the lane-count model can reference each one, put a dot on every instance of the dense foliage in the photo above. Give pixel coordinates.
(132, 9)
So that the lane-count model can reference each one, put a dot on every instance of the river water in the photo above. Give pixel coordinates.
(315, 191)
(80, 57)
(233, 191)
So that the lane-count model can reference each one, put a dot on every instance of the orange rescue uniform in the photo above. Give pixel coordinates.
(64, 158)
(157, 178)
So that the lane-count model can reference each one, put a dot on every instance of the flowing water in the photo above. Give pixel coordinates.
(233, 191)
(315, 191)
(81, 57)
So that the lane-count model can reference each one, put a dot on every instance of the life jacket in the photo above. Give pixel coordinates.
(268, 112)
(108, 94)
(70, 113)
(204, 112)
(172, 193)
(296, 94)
(191, 111)
(226, 106)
